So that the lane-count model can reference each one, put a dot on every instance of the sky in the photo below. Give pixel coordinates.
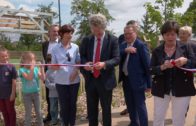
(121, 10)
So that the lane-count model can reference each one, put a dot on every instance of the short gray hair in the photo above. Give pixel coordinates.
(134, 24)
(131, 26)
(98, 20)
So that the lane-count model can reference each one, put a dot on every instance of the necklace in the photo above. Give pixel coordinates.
(170, 50)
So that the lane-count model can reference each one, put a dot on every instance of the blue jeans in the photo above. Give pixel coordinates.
(67, 99)
(54, 109)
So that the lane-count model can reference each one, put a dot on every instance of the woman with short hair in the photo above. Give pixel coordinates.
(169, 83)
(67, 78)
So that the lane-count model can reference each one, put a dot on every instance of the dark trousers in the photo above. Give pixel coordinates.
(96, 92)
(48, 103)
(68, 99)
(125, 90)
(7, 108)
(135, 100)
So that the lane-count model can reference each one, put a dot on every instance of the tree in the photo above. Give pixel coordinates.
(47, 9)
(29, 40)
(6, 42)
(148, 31)
(82, 9)
(189, 17)
(157, 14)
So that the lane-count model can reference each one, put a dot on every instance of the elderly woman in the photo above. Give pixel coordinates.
(185, 33)
(171, 84)
(100, 49)
(67, 79)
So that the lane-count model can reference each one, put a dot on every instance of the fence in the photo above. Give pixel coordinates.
(42, 89)
(17, 54)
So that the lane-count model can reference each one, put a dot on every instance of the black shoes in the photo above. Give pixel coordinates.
(124, 112)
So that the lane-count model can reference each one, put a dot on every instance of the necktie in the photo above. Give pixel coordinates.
(126, 63)
(96, 73)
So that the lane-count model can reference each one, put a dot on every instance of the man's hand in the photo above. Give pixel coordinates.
(148, 93)
(148, 90)
(99, 65)
(130, 49)
(88, 68)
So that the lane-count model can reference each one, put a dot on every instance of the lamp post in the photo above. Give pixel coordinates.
(59, 6)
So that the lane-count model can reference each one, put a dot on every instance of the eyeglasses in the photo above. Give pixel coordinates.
(68, 57)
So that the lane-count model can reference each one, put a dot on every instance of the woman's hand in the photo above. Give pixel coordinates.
(73, 75)
(180, 61)
(167, 64)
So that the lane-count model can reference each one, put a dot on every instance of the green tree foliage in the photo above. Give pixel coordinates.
(6, 42)
(189, 17)
(31, 42)
(82, 9)
(156, 14)
(148, 31)
(47, 9)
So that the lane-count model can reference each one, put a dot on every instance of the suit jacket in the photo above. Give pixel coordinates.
(45, 46)
(138, 66)
(109, 55)
(192, 47)
(45, 49)
(182, 80)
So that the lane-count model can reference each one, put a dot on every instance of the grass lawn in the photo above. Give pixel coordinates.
(14, 60)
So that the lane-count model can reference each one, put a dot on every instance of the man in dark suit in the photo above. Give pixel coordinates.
(121, 39)
(135, 24)
(134, 67)
(100, 49)
(46, 49)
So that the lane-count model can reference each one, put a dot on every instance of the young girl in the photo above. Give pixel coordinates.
(30, 75)
(8, 75)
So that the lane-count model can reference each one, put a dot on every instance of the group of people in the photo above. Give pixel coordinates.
(99, 53)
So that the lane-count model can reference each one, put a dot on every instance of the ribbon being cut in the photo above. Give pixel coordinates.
(193, 70)
(185, 69)
(73, 65)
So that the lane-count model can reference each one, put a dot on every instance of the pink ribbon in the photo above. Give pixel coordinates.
(73, 65)
(185, 69)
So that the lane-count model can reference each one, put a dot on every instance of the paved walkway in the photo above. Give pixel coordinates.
(118, 120)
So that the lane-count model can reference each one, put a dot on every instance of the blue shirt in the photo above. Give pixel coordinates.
(50, 75)
(29, 86)
(61, 55)
(7, 74)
